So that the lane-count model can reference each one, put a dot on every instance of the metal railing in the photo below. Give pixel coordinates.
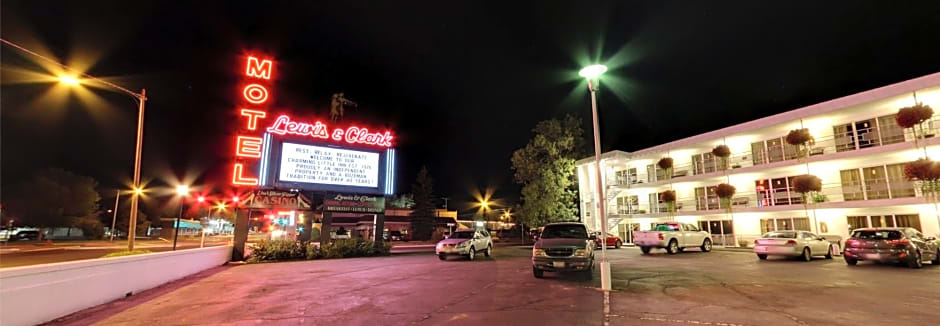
(849, 141)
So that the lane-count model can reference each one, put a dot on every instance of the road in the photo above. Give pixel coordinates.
(717, 288)
(23, 254)
(30, 253)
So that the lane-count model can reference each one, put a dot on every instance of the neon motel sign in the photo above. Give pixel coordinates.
(249, 142)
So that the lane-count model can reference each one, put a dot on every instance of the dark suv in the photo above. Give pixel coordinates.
(892, 245)
(563, 247)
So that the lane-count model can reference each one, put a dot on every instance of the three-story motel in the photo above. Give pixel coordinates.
(858, 151)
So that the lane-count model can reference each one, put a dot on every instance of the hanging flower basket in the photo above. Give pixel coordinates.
(721, 151)
(668, 196)
(799, 137)
(806, 183)
(665, 163)
(913, 115)
(725, 191)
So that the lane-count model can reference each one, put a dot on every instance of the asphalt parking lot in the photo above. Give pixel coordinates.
(717, 288)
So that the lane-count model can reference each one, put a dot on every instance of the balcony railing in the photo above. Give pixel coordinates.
(861, 139)
(835, 192)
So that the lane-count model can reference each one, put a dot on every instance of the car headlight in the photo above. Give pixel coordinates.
(581, 253)
(539, 253)
(462, 244)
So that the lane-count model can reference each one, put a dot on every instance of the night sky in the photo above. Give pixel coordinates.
(462, 84)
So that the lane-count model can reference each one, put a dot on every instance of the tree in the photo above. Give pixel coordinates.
(423, 213)
(53, 197)
(545, 168)
(124, 217)
(402, 201)
(91, 225)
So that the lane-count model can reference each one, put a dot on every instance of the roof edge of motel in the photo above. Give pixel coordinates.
(818, 108)
(604, 156)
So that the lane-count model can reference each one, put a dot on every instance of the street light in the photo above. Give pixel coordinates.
(69, 80)
(593, 73)
(141, 98)
(182, 191)
(485, 205)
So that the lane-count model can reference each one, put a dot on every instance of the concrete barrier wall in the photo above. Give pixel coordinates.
(34, 294)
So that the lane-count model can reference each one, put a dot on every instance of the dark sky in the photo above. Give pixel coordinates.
(462, 84)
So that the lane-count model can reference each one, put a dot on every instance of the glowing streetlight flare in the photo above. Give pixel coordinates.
(138, 191)
(182, 190)
(69, 80)
(201, 199)
(592, 71)
(220, 206)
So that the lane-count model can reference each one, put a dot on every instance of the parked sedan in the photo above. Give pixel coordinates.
(892, 245)
(465, 243)
(612, 240)
(792, 244)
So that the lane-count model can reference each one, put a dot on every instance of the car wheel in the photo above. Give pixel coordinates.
(915, 261)
(489, 250)
(537, 272)
(442, 256)
(472, 254)
(618, 244)
(829, 253)
(762, 256)
(807, 255)
(673, 247)
(936, 258)
(851, 262)
(707, 245)
(645, 250)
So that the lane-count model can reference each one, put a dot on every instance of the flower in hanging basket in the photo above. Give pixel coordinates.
(721, 151)
(724, 190)
(924, 112)
(668, 196)
(806, 183)
(922, 170)
(799, 137)
(910, 116)
(665, 163)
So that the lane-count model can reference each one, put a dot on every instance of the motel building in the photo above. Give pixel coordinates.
(859, 153)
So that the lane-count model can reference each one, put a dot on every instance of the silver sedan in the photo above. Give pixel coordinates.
(792, 244)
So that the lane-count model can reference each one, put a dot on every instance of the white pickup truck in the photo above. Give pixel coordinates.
(674, 237)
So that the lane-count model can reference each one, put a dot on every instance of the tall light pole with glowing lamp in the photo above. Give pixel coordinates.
(73, 80)
(593, 73)
(182, 191)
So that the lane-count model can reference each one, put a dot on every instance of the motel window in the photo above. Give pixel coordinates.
(890, 131)
(877, 221)
(775, 150)
(777, 191)
(863, 134)
(706, 198)
(625, 177)
(784, 224)
(627, 205)
(877, 182)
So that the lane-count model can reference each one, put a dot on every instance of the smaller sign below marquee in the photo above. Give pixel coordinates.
(334, 202)
(278, 199)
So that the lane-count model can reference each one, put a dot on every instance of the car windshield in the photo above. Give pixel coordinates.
(876, 235)
(780, 235)
(564, 231)
(462, 235)
(666, 227)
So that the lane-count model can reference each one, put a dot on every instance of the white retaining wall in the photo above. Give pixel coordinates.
(34, 294)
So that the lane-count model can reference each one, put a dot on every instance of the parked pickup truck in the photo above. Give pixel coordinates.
(674, 237)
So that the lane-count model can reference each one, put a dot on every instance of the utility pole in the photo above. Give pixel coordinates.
(114, 218)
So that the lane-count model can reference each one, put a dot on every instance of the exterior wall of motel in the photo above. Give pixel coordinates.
(885, 193)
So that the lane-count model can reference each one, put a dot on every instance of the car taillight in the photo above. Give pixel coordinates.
(851, 243)
(791, 242)
(660, 236)
(899, 243)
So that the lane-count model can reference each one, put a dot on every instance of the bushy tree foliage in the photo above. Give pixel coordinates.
(53, 197)
(545, 168)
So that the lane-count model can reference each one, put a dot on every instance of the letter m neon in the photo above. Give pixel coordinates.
(259, 68)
